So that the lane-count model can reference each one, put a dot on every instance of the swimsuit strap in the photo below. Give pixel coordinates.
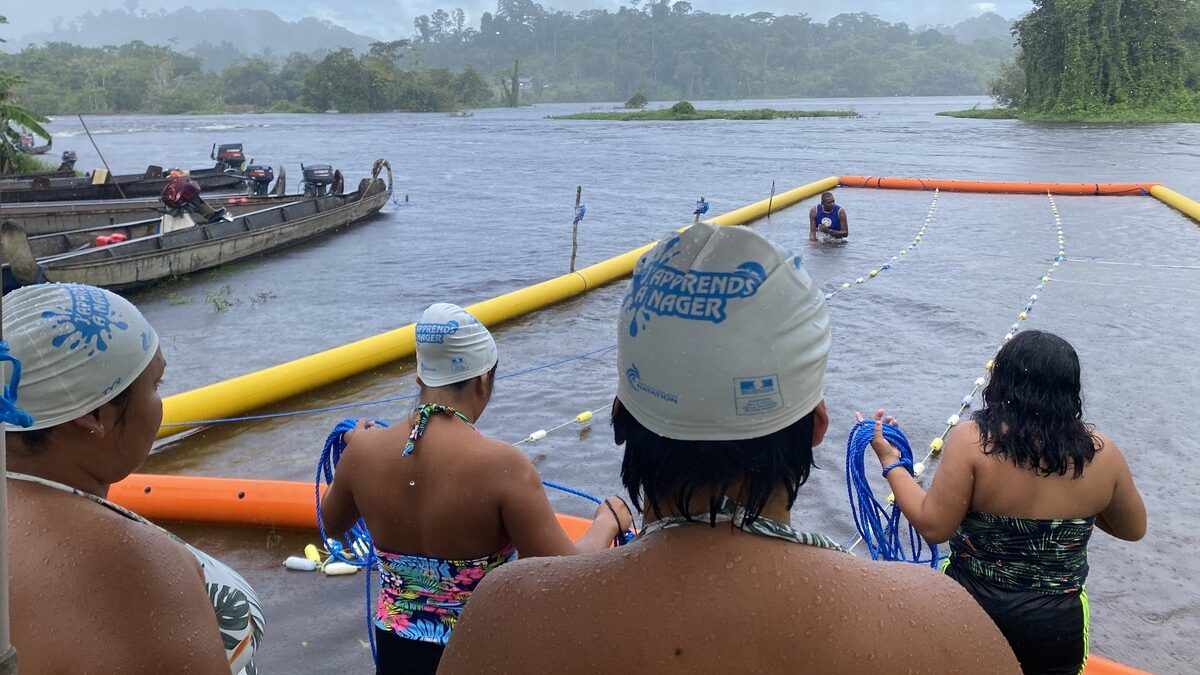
(730, 512)
(424, 412)
(63, 487)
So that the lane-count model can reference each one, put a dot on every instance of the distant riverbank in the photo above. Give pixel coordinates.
(1113, 116)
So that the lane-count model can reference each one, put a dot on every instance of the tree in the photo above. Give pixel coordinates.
(638, 100)
(12, 114)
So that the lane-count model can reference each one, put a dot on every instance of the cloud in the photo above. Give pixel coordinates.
(984, 7)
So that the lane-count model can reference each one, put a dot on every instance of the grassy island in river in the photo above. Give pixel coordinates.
(684, 112)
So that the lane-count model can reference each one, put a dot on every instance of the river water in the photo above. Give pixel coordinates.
(484, 206)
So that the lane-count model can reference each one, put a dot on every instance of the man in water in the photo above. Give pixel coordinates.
(828, 218)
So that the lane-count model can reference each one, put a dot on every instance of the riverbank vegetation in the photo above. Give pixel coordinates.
(668, 51)
(684, 111)
(1102, 61)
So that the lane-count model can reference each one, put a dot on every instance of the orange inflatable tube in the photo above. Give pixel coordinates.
(292, 504)
(238, 501)
(1001, 187)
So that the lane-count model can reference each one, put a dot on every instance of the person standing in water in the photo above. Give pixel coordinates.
(1018, 491)
(828, 218)
(720, 402)
(445, 505)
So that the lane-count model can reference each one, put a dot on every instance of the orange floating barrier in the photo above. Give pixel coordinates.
(998, 187)
(1097, 665)
(238, 501)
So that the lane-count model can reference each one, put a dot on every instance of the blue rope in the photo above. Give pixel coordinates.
(9, 412)
(355, 547)
(877, 524)
(381, 401)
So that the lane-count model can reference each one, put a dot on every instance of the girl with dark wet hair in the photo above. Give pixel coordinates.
(1019, 488)
(723, 339)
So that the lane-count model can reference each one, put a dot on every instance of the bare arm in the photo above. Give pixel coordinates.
(339, 511)
(1125, 516)
(529, 519)
(812, 224)
(845, 231)
(165, 622)
(937, 513)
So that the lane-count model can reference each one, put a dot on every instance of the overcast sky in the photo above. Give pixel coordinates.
(390, 19)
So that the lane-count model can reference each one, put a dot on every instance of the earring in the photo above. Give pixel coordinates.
(91, 432)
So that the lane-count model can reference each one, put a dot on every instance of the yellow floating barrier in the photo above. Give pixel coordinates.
(1176, 201)
(248, 392)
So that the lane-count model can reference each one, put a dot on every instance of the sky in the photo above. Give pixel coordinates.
(392, 19)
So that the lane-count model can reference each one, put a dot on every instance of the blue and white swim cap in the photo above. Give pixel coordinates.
(722, 336)
(452, 346)
(79, 346)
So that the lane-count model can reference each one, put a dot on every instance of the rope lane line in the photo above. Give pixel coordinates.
(936, 444)
(896, 258)
(581, 419)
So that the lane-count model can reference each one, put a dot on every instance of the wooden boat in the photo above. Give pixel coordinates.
(153, 257)
(56, 217)
(99, 186)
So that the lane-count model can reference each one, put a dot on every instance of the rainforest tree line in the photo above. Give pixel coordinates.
(666, 50)
(1081, 56)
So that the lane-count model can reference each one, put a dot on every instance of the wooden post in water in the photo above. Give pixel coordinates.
(575, 226)
(8, 653)
(771, 200)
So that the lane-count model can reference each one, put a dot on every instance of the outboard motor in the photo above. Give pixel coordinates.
(68, 161)
(317, 179)
(229, 157)
(25, 143)
(182, 196)
(260, 178)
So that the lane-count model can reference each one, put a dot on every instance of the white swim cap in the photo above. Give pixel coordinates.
(722, 336)
(452, 346)
(79, 347)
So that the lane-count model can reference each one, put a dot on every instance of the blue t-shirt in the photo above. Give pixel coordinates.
(834, 217)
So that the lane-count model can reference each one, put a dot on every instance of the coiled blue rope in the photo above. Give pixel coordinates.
(9, 412)
(357, 540)
(879, 524)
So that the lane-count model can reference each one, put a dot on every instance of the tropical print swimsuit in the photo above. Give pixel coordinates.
(239, 613)
(1028, 575)
(730, 512)
(421, 598)
(1024, 554)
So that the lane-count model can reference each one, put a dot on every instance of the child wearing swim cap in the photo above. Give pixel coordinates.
(445, 504)
(723, 339)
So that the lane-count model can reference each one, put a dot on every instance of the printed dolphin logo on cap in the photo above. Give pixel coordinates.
(635, 380)
(434, 333)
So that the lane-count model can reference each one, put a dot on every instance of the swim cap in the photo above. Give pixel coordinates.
(722, 336)
(79, 347)
(452, 346)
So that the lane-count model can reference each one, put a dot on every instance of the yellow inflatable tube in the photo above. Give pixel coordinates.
(1176, 201)
(248, 392)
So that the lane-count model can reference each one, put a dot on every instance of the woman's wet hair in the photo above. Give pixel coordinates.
(662, 473)
(1033, 410)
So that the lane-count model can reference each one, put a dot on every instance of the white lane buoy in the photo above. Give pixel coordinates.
(299, 564)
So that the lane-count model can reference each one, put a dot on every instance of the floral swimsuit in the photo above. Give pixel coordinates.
(421, 598)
